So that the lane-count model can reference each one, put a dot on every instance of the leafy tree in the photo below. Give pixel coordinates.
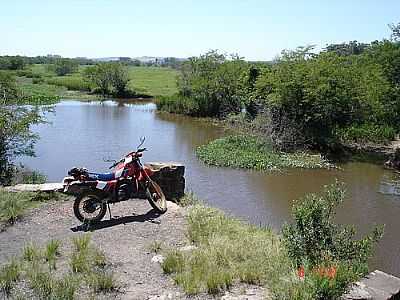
(395, 31)
(65, 66)
(213, 82)
(108, 78)
(119, 78)
(351, 48)
(15, 120)
(8, 87)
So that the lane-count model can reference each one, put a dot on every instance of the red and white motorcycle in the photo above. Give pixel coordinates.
(95, 191)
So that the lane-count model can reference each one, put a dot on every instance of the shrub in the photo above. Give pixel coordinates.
(367, 133)
(314, 238)
(33, 177)
(177, 104)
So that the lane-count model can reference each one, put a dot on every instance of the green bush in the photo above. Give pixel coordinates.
(177, 104)
(314, 237)
(367, 133)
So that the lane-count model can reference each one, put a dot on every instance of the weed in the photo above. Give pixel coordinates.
(51, 252)
(9, 275)
(99, 258)
(40, 281)
(155, 246)
(65, 288)
(102, 281)
(31, 253)
(81, 242)
(79, 262)
(188, 199)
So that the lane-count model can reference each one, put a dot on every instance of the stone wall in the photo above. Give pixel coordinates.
(170, 177)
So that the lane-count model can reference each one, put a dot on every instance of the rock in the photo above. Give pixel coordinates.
(394, 160)
(45, 187)
(187, 248)
(170, 177)
(158, 259)
(375, 286)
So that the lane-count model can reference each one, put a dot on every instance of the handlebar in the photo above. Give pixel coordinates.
(134, 153)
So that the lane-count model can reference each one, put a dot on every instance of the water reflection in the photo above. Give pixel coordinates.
(82, 134)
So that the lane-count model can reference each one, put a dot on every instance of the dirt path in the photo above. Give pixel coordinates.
(125, 241)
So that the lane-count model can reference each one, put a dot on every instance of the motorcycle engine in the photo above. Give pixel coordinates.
(125, 191)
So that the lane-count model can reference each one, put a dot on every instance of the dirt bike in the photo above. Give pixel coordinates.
(95, 191)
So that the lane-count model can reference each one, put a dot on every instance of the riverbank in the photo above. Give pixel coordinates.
(191, 252)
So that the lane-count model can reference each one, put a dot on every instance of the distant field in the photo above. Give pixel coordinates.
(152, 81)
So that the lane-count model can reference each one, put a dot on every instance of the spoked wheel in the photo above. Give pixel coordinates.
(156, 197)
(88, 207)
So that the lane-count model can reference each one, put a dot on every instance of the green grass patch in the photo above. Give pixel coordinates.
(227, 251)
(14, 205)
(152, 81)
(36, 269)
(250, 152)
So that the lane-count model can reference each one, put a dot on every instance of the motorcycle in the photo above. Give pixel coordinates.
(95, 191)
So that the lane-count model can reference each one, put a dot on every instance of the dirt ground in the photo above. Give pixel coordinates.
(125, 239)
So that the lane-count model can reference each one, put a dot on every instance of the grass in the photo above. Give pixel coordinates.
(227, 251)
(102, 281)
(250, 152)
(153, 81)
(47, 282)
(156, 246)
(51, 252)
(14, 205)
(9, 275)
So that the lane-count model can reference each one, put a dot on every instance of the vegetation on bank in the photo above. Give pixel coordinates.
(313, 259)
(347, 93)
(251, 152)
(14, 205)
(48, 273)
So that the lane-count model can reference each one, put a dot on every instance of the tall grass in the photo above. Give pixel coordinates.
(228, 251)
(9, 275)
(74, 82)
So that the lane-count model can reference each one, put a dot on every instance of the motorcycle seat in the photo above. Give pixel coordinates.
(101, 176)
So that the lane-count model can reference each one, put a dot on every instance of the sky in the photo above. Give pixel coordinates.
(254, 29)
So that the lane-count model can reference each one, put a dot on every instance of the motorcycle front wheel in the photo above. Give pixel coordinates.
(89, 207)
(156, 197)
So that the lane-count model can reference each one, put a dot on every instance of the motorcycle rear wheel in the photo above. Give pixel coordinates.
(156, 197)
(89, 207)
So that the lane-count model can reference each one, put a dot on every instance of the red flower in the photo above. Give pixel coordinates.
(300, 272)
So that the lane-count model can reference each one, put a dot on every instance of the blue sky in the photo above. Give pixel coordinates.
(255, 29)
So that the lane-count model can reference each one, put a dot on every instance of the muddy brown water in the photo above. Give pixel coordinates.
(83, 134)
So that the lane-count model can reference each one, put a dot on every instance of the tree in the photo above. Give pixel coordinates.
(65, 66)
(108, 78)
(8, 87)
(15, 120)
(395, 31)
(119, 78)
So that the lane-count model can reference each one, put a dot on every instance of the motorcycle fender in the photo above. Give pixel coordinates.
(77, 187)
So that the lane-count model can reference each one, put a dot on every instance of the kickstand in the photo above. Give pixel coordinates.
(109, 210)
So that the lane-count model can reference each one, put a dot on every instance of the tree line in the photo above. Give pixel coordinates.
(347, 93)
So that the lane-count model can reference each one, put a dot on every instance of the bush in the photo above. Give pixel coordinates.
(177, 104)
(314, 237)
(367, 133)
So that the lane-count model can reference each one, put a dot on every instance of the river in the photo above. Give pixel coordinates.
(84, 133)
